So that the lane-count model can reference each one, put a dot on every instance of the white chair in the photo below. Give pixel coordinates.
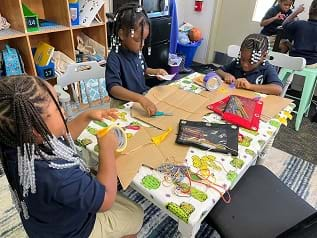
(277, 59)
(76, 77)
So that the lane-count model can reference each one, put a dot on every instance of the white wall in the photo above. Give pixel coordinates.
(107, 5)
(235, 22)
(203, 20)
(304, 15)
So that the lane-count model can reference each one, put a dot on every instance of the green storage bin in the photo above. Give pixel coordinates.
(31, 19)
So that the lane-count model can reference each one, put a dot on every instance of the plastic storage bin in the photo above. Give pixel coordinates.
(189, 50)
(173, 64)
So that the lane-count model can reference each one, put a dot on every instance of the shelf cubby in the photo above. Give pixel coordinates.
(23, 46)
(53, 10)
(61, 41)
(62, 36)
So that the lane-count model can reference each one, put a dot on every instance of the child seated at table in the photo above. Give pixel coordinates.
(49, 183)
(125, 64)
(273, 19)
(303, 34)
(250, 70)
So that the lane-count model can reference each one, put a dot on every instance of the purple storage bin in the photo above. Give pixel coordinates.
(173, 69)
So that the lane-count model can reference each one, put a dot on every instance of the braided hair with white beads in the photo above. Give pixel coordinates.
(23, 100)
(258, 44)
(129, 18)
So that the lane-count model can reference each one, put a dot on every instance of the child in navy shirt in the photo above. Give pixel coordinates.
(303, 34)
(49, 183)
(250, 70)
(125, 64)
(273, 19)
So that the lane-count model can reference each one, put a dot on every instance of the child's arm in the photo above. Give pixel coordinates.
(78, 124)
(156, 71)
(268, 21)
(107, 172)
(294, 14)
(127, 95)
(227, 77)
(272, 89)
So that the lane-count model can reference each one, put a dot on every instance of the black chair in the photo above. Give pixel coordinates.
(261, 206)
(279, 36)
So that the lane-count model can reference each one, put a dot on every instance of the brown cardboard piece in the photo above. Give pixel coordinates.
(140, 151)
(170, 98)
(272, 105)
(183, 105)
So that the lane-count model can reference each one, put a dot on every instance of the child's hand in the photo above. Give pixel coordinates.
(243, 83)
(280, 16)
(229, 78)
(149, 106)
(160, 72)
(108, 141)
(100, 114)
(300, 9)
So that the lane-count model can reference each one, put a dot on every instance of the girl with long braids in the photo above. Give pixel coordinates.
(250, 70)
(126, 67)
(50, 184)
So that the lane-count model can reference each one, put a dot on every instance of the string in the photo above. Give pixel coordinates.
(212, 187)
(137, 148)
(170, 177)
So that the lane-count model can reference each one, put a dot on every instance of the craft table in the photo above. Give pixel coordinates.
(225, 170)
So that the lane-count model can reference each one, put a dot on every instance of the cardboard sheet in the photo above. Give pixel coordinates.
(170, 98)
(141, 152)
(272, 105)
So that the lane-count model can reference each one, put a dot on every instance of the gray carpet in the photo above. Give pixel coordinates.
(300, 143)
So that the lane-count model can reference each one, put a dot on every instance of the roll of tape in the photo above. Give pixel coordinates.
(119, 133)
(212, 81)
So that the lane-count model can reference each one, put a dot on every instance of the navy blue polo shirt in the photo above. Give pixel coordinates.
(65, 203)
(304, 37)
(124, 69)
(270, 29)
(264, 74)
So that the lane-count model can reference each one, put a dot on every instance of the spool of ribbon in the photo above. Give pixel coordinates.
(212, 81)
(119, 133)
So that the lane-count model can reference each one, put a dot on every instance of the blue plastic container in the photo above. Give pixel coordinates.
(189, 50)
(47, 71)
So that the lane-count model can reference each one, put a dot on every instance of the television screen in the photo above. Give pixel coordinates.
(150, 6)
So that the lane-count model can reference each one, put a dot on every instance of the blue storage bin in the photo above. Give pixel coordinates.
(74, 13)
(189, 50)
(47, 71)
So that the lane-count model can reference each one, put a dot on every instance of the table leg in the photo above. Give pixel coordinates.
(187, 230)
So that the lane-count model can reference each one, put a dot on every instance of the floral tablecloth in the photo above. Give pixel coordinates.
(222, 170)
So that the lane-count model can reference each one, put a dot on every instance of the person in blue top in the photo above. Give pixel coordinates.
(273, 19)
(275, 16)
(49, 183)
(303, 34)
(125, 66)
(250, 70)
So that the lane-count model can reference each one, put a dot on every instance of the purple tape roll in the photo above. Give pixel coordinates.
(212, 81)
